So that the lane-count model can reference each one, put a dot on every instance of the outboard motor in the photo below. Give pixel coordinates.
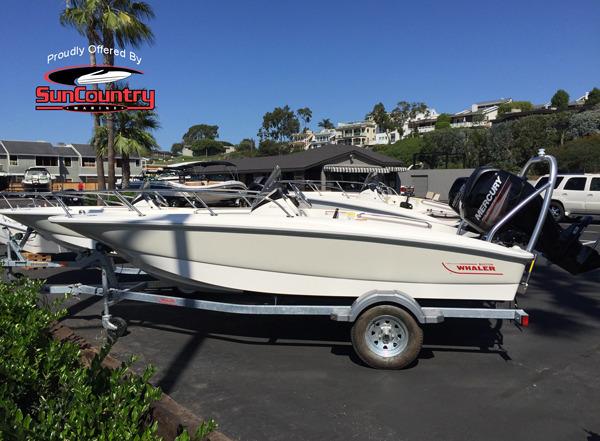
(490, 194)
(455, 193)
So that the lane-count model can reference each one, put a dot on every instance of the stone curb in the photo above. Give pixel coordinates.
(172, 417)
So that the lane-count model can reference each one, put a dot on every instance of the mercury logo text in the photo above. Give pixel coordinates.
(488, 199)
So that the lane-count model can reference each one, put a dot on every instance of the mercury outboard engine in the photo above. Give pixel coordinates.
(490, 194)
(455, 193)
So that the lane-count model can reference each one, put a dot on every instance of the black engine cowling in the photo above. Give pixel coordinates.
(489, 194)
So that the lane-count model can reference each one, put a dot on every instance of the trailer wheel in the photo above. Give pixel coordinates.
(121, 325)
(557, 211)
(387, 337)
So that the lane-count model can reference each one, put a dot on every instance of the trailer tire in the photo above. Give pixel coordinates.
(113, 335)
(557, 211)
(387, 337)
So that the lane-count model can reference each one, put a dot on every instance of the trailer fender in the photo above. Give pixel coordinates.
(398, 298)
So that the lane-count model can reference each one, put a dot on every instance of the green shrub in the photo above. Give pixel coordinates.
(402, 150)
(45, 392)
(579, 155)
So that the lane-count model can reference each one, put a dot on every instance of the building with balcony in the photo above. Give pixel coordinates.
(323, 137)
(480, 115)
(303, 140)
(358, 133)
(423, 125)
(65, 162)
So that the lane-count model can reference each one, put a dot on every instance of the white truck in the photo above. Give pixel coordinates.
(574, 195)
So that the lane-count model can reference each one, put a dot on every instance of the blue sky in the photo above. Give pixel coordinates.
(228, 62)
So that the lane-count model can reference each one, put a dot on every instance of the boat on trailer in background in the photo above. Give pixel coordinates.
(186, 176)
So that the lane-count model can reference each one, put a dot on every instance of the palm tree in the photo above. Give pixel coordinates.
(305, 115)
(83, 15)
(131, 136)
(121, 21)
(325, 123)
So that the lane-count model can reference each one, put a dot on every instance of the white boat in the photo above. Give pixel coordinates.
(376, 197)
(302, 255)
(37, 179)
(35, 243)
(36, 218)
(372, 201)
(181, 176)
(290, 250)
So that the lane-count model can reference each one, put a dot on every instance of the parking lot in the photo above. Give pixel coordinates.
(296, 378)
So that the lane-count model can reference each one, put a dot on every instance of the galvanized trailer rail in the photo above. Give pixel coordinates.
(112, 293)
(15, 259)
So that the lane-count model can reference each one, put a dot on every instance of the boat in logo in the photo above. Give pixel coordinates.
(82, 99)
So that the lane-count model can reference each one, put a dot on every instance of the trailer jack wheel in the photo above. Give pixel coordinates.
(120, 328)
(387, 337)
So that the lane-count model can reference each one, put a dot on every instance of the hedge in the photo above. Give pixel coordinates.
(47, 394)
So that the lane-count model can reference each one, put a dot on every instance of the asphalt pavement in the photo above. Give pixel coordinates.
(297, 378)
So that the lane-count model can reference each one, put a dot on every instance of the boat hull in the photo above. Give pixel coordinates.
(35, 244)
(298, 257)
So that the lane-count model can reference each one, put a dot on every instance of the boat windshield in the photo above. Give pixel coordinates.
(270, 185)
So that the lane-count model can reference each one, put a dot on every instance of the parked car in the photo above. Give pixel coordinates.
(574, 195)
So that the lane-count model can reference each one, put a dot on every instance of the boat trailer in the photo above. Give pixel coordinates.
(388, 334)
(16, 259)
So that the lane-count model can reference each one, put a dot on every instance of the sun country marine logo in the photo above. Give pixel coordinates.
(472, 268)
(94, 100)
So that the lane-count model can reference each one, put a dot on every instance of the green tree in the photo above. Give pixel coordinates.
(207, 147)
(132, 137)
(404, 112)
(523, 106)
(305, 114)
(269, 147)
(579, 155)
(326, 123)
(246, 145)
(84, 17)
(200, 131)
(593, 97)
(443, 121)
(584, 124)
(177, 148)
(403, 150)
(279, 125)
(560, 100)
(381, 117)
(121, 22)
(460, 146)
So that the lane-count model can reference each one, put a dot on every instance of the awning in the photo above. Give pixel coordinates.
(361, 169)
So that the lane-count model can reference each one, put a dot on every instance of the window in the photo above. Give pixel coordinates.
(558, 181)
(14, 160)
(89, 162)
(46, 161)
(137, 162)
(575, 184)
(544, 179)
(595, 185)
(67, 162)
